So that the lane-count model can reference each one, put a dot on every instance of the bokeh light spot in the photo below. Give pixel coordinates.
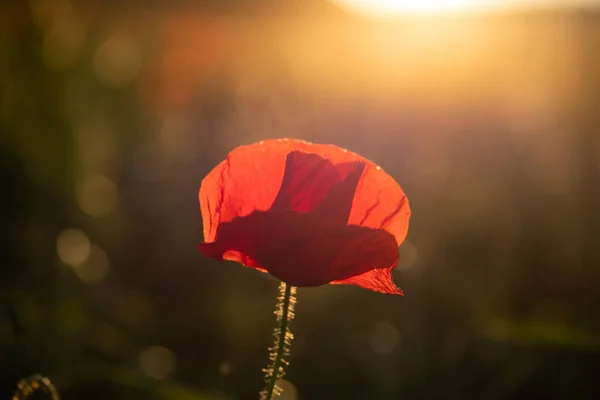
(73, 247)
(158, 362)
(118, 61)
(384, 338)
(96, 195)
(408, 256)
(224, 368)
(95, 268)
(289, 390)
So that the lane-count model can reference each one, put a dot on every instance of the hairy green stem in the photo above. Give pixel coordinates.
(28, 386)
(284, 310)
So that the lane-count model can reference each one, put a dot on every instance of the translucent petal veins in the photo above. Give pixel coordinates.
(308, 214)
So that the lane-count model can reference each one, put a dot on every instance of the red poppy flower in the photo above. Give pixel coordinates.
(308, 214)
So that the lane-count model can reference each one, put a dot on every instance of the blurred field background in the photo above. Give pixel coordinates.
(112, 112)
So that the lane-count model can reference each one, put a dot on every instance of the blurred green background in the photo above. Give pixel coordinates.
(112, 112)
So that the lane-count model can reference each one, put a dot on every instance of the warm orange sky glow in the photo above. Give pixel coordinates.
(390, 8)
(387, 7)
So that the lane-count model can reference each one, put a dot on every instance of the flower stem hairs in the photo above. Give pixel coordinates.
(32, 384)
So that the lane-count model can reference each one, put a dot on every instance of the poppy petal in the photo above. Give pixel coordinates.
(300, 250)
(237, 241)
(251, 177)
(380, 203)
(307, 253)
(378, 280)
(248, 180)
(338, 204)
(308, 214)
(307, 180)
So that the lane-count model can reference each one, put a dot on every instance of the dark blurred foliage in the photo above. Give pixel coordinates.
(112, 112)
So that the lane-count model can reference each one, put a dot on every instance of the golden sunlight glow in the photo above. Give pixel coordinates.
(394, 7)
(391, 8)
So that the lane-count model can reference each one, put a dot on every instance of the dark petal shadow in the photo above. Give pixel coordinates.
(303, 249)
(337, 205)
(313, 183)
(306, 182)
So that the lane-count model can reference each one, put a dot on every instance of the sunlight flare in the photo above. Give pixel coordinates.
(394, 7)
